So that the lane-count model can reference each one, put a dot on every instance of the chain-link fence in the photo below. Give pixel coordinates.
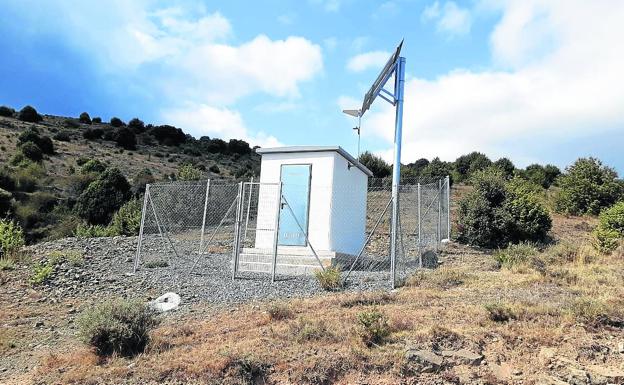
(200, 227)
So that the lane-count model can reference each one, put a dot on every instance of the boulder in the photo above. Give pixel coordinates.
(424, 360)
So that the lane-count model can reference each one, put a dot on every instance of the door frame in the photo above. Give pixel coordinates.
(307, 224)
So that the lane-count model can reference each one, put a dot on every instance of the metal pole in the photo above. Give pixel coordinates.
(276, 234)
(448, 208)
(248, 208)
(396, 170)
(239, 202)
(305, 234)
(419, 229)
(138, 252)
(439, 229)
(203, 228)
(147, 192)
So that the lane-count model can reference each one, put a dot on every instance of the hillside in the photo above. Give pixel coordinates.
(44, 191)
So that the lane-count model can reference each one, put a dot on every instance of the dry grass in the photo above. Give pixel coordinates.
(572, 302)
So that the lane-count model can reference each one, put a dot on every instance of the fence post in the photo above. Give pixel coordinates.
(138, 252)
(448, 208)
(237, 220)
(276, 234)
(439, 224)
(203, 228)
(420, 264)
(248, 208)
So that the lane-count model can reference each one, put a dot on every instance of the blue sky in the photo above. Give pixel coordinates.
(537, 81)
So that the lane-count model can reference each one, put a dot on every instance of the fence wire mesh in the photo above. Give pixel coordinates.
(191, 227)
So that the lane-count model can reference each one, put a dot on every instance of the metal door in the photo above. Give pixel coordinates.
(294, 215)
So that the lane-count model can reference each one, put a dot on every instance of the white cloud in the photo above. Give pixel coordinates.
(368, 60)
(450, 18)
(569, 90)
(217, 122)
(181, 55)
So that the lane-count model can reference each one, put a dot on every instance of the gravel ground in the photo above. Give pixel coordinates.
(107, 264)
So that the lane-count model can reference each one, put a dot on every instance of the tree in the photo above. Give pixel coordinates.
(465, 165)
(506, 166)
(31, 151)
(84, 118)
(498, 212)
(116, 122)
(125, 138)
(543, 176)
(103, 197)
(375, 164)
(237, 146)
(587, 187)
(136, 125)
(7, 111)
(168, 135)
(437, 169)
(29, 114)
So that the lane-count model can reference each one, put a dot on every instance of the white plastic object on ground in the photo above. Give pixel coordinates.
(166, 302)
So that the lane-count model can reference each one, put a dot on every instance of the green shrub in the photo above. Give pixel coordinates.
(71, 123)
(7, 111)
(468, 164)
(125, 138)
(63, 136)
(500, 312)
(330, 278)
(93, 166)
(103, 197)
(93, 133)
(41, 273)
(189, 172)
(29, 114)
(44, 142)
(6, 264)
(31, 151)
(610, 229)
(506, 166)
(127, 220)
(97, 119)
(85, 230)
(119, 326)
(373, 327)
(587, 187)
(306, 329)
(116, 122)
(498, 212)
(84, 118)
(543, 176)
(169, 135)
(515, 255)
(214, 169)
(11, 237)
(6, 202)
(137, 125)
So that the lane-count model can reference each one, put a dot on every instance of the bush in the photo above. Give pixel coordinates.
(587, 187)
(127, 221)
(6, 264)
(506, 166)
(103, 197)
(279, 311)
(7, 111)
(375, 164)
(137, 125)
(41, 273)
(85, 230)
(466, 165)
(120, 326)
(29, 114)
(93, 133)
(543, 176)
(97, 119)
(71, 123)
(330, 278)
(236, 146)
(125, 138)
(499, 312)
(43, 142)
(497, 212)
(372, 327)
(116, 122)
(63, 136)
(11, 237)
(189, 172)
(610, 228)
(84, 118)
(31, 151)
(168, 135)
(93, 166)
(310, 330)
(141, 179)
(214, 169)
(515, 255)
(6, 201)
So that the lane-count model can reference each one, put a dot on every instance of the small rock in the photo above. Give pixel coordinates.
(502, 372)
(620, 347)
(426, 361)
(463, 357)
(600, 375)
(577, 376)
(546, 355)
(39, 324)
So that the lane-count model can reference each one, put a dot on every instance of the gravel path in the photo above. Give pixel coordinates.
(105, 271)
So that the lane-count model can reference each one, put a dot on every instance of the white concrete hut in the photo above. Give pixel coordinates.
(324, 191)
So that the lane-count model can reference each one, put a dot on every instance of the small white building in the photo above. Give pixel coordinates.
(324, 190)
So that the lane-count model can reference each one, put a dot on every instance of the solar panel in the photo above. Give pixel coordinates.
(381, 80)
